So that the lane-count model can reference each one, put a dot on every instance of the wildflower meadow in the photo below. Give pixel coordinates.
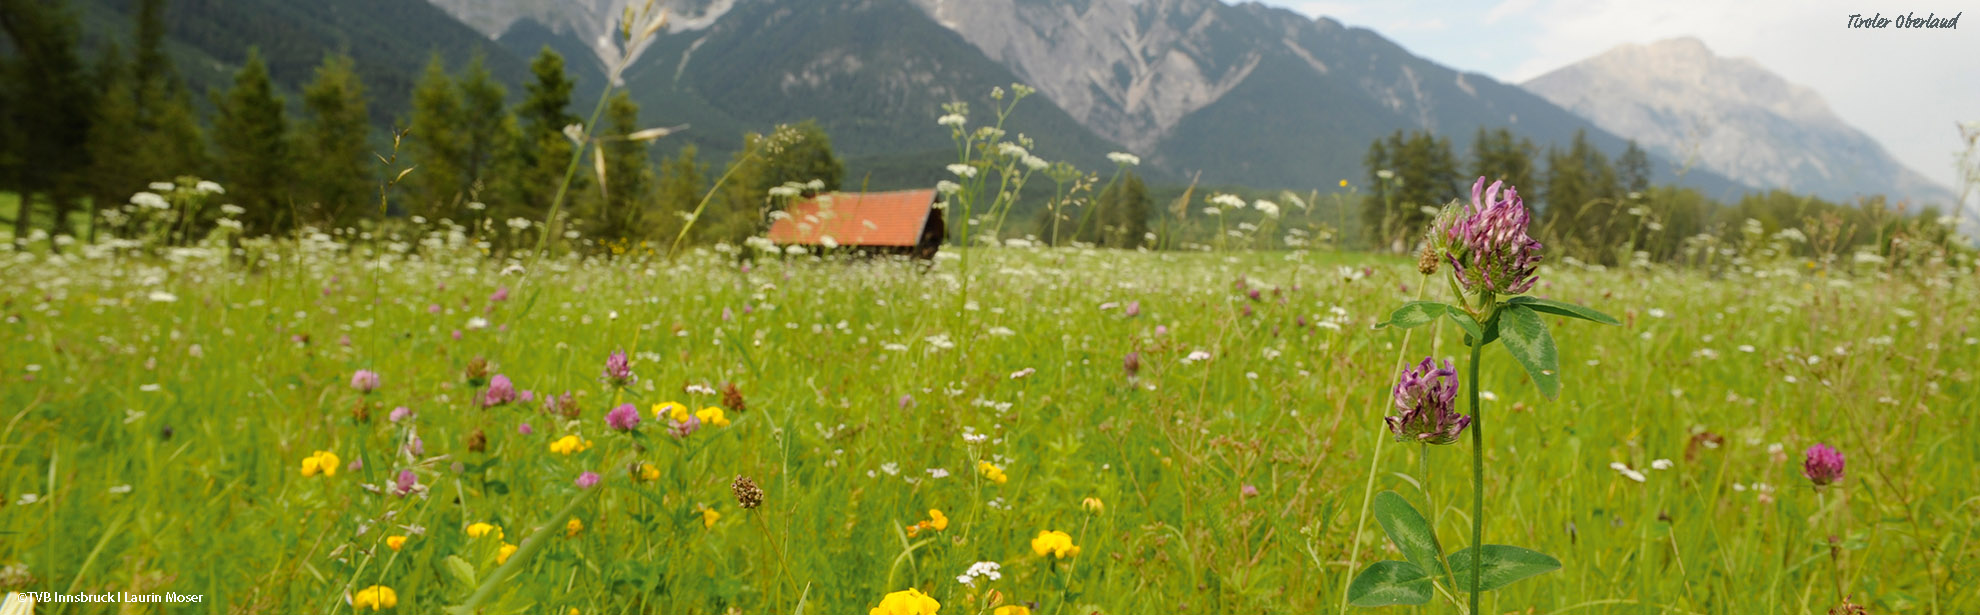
(349, 423)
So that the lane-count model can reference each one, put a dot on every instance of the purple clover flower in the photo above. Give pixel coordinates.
(623, 418)
(1133, 309)
(365, 381)
(500, 391)
(500, 295)
(1132, 364)
(1426, 397)
(1824, 465)
(400, 414)
(683, 429)
(618, 369)
(1487, 247)
(587, 480)
(525, 429)
(406, 483)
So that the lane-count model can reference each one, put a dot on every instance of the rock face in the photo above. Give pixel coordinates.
(1732, 116)
(595, 22)
(1130, 70)
(1238, 93)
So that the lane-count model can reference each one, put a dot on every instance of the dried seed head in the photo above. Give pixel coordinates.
(477, 372)
(732, 397)
(748, 495)
(477, 441)
(1426, 263)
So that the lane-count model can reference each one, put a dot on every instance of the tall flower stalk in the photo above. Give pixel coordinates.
(1492, 262)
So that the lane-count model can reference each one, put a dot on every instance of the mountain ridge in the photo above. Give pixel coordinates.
(1733, 116)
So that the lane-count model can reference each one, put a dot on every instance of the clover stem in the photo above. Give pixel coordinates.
(1429, 505)
(1477, 475)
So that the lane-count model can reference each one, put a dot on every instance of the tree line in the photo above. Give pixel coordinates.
(1603, 211)
(78, 136)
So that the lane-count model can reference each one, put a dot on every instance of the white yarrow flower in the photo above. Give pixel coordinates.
(209, 187)
(963, 170)
(953, 120)
(1124, 158)
(1626, 471)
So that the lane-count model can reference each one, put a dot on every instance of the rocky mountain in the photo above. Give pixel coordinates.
(1244, 94)
(593, 23)
(1732, 116)
(1241, 94)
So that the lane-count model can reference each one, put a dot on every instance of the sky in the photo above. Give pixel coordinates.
(1907, 88)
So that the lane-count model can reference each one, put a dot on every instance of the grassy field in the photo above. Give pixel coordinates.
(158, 415)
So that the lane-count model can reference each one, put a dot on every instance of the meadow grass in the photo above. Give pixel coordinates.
(157, 413)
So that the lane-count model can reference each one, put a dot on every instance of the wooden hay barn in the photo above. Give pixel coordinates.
(905, 222)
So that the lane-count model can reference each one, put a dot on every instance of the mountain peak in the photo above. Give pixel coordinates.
(1683, 46)
(1729, 115)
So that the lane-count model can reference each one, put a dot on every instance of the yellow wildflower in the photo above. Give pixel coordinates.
(709, 517)
(502, 555)
(648, 472)
(1055, 543)
(478, 530)
(376, 597)
(569, 444)
(908, 602)
(992, 472)
(324, 462)
(712, 416)
(937, 520)
(671, 410)
(1012, 609)
(572, 527)
(1093, 505)
(395, 542)
(1343, 185)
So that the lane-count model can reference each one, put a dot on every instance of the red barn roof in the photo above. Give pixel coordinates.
(856, 219)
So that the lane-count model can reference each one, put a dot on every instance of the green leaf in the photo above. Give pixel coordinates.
(1410, 531)
(461, 570)
(1415, 314)
(1390, 582)
(1503, 565)
(1529, 343)
(1557, 308)
(1466, 322)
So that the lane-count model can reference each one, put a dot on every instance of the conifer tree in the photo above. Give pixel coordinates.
(114, 173)
(543, 154)
(488, 131)
(168, 140)
(338, 176)
(681, 188)
(49, 110)
(628, 178)
(251, 135)
(1634, 168)
(1498, 156)
(438, 143)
